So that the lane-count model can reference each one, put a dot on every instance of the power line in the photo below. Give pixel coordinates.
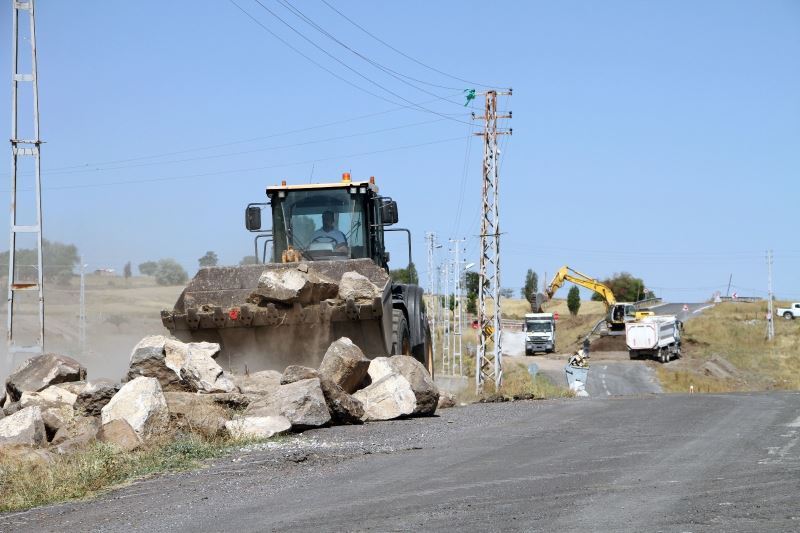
(351, 21)
(252, 169)
(397, 75)
(348, 67)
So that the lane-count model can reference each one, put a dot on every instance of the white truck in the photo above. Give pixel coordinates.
(540, 333)
(658, 337)
(789, 313)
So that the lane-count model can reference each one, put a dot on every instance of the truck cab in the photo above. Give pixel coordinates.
(540, 333)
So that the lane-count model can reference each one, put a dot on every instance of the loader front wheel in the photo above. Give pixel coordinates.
(401, 338)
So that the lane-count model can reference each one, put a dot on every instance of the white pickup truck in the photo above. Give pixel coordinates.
(789, 313)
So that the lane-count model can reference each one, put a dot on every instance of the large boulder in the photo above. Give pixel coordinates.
(294, 373)
(259, 427)
(120, 434)
(148, 360)
(41, 371)
(345, 364)
(302, 402)
(389, 397)
(195, 365)
(56, 417)
(344, 408)
(197, 412)
(51, 396)
(24, 427)
(354, 285)
(17, 454)
(425, 390)
(302, 285)
(78, 433)
(263, 382)
(95, 396)
(141, 403)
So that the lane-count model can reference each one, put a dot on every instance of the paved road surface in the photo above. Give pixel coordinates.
(677, 309)
(662, 463)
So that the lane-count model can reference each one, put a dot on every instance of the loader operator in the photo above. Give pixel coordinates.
(329, 233)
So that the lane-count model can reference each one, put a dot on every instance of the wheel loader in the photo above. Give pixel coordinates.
(319, 230)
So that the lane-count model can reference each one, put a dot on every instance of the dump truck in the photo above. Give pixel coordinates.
(290, 309)
(657, 337)
(540, 333)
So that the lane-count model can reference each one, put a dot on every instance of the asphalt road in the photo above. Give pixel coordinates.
(677, 309)
(661, 463)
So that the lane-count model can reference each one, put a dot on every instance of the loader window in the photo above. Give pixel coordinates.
(321, 224)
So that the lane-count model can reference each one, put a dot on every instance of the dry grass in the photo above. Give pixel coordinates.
(99, 467)
(737, 333)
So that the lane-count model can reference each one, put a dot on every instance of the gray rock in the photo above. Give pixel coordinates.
(302, 402)
(344, 408)
(345, 364)
(141, 403)
(389, 397)
(11, 408)
(296, 373)
(263, 382)
(303, 285)
(197, 412)
(41, 371)
(17, 454)
(24, 427)
(95, 396)
(51, 396)
(57, 417)
(425, 390)
(194, 364)
(354, 285)
(148, 360)
(120, 434)
(446, 400)
(260, 427)
(79, 433)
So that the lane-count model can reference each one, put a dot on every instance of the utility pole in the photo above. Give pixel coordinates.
(728, 292)
(433, 277)
(82, 310)
(21, 146)
(458, 315)
(489, 362)
(446, 361)
(770, 322)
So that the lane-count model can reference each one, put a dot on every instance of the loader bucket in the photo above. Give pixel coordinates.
(214, 307)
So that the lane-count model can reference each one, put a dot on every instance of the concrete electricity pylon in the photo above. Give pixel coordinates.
(24, 147)
(489, 361)
(446, 355)
(430, 237)
(770, 314)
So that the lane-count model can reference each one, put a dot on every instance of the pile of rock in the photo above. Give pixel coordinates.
(49, 404)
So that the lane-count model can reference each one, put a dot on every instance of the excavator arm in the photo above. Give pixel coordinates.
(566, 273)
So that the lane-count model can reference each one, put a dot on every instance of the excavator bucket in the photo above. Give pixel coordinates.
(218, 306)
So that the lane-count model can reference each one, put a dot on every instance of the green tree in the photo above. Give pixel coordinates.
(405, 275)
(126, 271)
(626, 288)
(209, 260)
(148, 268)
(574, 300)
(471, 282)
(249, 260)
(170, 272)
(59, 260)
(507, 292)
(530, 288)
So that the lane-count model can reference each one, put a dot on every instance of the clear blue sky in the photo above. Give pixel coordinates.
(659, 138)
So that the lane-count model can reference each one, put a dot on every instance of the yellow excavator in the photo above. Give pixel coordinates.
(617, 313)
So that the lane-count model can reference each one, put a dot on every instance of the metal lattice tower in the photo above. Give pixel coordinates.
(770, 314)
(446, 359)
(458, 311)
(21, 147)
(489, 360)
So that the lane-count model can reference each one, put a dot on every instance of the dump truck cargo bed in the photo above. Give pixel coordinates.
(218, 305)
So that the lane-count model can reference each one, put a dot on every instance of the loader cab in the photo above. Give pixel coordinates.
(335, 221)
(621, 313)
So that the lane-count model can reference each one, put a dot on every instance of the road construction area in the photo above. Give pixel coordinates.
(728, 462)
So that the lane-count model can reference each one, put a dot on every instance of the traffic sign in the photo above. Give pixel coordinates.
(734, 295)
(685, 308)
(555, 316)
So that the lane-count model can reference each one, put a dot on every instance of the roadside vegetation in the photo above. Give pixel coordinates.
(725, 349)
(99, 467)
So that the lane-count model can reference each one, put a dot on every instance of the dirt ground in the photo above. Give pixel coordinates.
(119, 313)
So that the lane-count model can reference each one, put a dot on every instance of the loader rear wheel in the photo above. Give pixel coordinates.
(401, 338)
